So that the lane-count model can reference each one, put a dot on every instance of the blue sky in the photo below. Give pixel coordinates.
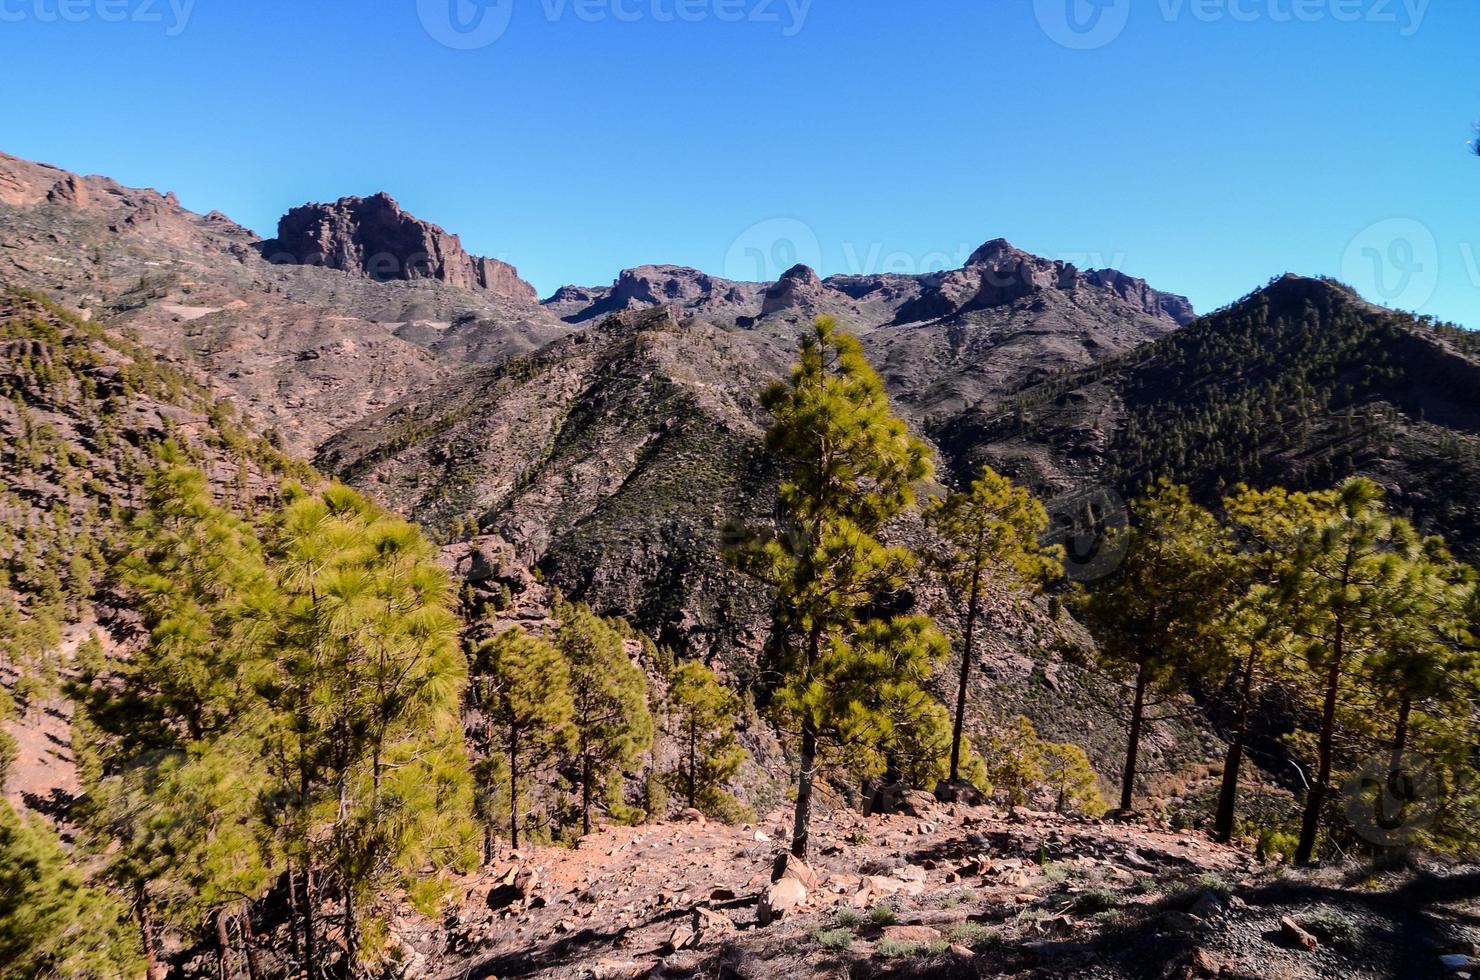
(1206, 145)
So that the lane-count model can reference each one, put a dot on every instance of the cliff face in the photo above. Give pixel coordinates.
(374, 238)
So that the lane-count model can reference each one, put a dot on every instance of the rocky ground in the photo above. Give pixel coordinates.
(941, 891)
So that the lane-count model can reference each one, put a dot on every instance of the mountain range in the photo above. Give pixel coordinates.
(610, 437)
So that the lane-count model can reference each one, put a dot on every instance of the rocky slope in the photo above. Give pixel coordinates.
(303, 349)
(937, 891)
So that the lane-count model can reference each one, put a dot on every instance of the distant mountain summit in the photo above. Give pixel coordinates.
(373, 237)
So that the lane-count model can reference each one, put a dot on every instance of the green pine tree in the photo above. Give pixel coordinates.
(523, 685)
(991, 540)
(849, 466)
(701, 714)
(612, 725)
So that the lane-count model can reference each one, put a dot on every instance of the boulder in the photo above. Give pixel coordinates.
(959, 791)
(788, 865)
(779, 898)
(1296, 936)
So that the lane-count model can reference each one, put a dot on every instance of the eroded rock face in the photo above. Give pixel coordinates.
(374, 238)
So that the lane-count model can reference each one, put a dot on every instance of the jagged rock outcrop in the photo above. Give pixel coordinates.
(999, 274)
(373, 237)
(798, 286)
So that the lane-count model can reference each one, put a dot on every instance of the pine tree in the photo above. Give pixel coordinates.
(367, 682)
(1150, 617)
(992, 536)
(1253, 642)
(609, 694)
(524, 690)
(1014, 757)
(1066, 771)
(52, 923)
(849, 466)
(1351, 563)
(701, 717)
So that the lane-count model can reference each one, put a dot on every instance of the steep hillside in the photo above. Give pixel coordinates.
(1301, 384)
(614, 459)
(82, 409)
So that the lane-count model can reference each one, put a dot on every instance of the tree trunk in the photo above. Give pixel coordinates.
(223, 945)
(1133, 743)
(514, 789)
(808, 760)
(249, 942)
(1228, 793)
(585, 794)
(310, 942)
(972, 607)
(153, 969)
(1400, 738)
(804, 792)
(295, 918)
(1316, 799)
(693, 753)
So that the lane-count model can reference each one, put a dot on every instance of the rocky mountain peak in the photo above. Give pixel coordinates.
(374, 238)
(994, 251)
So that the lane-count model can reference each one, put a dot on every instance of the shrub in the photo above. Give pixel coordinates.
(893, 949)
(835, 940)
(883, 915)
(1095, 900)
(1333, 928)
(848, 919)
(976, 936)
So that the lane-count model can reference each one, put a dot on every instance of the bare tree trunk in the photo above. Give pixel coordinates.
(799, 835)
(249, 942)
(804, 792)
(153, 969)
(693, 753)
(310, 942)
(973, 605)
(1133, 743)
(585, 794)
(223, 945)
(514, 788)
(1316, 798)
(1228, 792)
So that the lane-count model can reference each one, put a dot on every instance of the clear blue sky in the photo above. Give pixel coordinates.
(1205, 145)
